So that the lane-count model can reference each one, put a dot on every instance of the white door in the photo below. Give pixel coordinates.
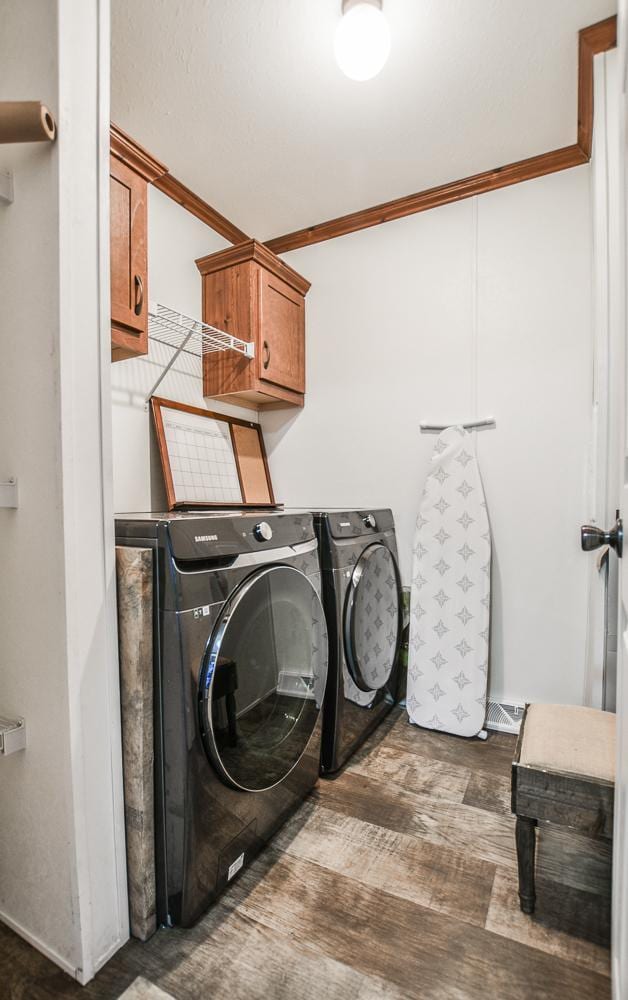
(620, 836)
(620, 840)
(609, 185)
(616, 111)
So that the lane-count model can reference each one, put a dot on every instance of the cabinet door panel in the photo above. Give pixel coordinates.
(281, 348)
(128, 222)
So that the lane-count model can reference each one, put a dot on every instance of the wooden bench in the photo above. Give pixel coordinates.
(564, 773)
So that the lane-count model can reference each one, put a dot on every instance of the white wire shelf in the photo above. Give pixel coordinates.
(189, 336)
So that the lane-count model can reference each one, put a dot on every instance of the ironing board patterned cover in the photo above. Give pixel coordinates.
(451, 594)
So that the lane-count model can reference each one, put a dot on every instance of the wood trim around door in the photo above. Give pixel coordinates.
(597, 38)
(592, 40)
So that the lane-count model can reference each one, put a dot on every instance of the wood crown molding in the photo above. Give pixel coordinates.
(592, 40)
(124, 148)
(258, 252)
(185, 197)
(422, 201)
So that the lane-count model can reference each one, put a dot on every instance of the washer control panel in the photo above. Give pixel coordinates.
(263, 531)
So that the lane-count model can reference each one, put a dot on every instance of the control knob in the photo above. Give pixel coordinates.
(263, 531)
(370, 521)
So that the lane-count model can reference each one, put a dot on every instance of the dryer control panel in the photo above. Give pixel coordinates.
(352, 523)
(191, 536)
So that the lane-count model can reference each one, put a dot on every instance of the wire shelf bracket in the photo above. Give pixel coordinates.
(190, 336)
(9, 493)
(6, 187)
(12, 735)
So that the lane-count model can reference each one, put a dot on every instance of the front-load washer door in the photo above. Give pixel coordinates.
(372, 618)
(263, 678)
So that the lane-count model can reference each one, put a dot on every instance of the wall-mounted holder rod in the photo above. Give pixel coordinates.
(468, 425)
(8, 493)
(6, 187)
(26, 121)
(12, 735)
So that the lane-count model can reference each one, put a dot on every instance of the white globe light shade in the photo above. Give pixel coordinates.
(362, 42)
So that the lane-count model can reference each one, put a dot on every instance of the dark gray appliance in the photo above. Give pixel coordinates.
(363, 606)
(240, 672)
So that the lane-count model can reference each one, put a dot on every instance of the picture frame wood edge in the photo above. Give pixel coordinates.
(159, 402)
(158, 423)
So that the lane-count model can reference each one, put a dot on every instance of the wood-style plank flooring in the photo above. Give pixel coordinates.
(395, 881)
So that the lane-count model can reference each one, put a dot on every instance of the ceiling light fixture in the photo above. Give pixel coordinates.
(362, 42)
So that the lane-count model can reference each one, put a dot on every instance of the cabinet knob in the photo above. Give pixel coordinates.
(265, 354)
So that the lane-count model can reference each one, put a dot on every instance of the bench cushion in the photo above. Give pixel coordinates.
(570, 739)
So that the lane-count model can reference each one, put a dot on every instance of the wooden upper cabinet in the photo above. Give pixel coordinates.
(129, 262)
(131, 169)
(249, 292)
(282, 324)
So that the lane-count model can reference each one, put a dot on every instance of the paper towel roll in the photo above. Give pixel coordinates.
(26, 121)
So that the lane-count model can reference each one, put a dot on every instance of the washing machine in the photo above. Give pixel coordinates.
(240, 673)
(363, 606)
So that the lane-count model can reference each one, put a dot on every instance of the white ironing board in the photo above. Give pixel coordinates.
(451, 594)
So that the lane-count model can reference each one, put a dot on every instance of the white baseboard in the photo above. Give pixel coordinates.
(81, 975)
(40, 946)
(102, 960)
(616, 978)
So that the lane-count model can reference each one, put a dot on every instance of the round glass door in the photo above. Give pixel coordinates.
(372, 624)
(263, 678)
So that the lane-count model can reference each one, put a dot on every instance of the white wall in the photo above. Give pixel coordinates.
(62, 861)
(481, 307)
(175, 239)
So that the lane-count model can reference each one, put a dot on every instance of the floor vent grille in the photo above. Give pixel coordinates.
(503, 718)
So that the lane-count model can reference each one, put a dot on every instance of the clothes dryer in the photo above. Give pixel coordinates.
(240, 672)
(363, 606)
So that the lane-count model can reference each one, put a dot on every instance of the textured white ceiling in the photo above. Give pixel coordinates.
(242, 99)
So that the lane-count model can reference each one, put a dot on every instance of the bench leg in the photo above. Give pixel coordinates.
(525, 833)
